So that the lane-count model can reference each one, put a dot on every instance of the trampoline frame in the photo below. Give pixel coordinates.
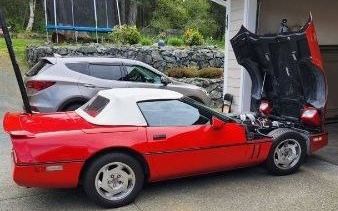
(67, 27)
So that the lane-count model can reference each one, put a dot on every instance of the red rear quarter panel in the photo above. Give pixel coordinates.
(62, 140)
(76, 145)
(68, 149)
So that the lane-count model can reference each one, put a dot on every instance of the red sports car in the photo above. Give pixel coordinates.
(123, 138)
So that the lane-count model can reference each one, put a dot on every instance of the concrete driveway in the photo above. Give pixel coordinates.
(314, 187)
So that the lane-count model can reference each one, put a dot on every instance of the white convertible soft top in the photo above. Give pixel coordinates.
(122, 108)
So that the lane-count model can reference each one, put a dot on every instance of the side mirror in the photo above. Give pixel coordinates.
(165, 81)
(217, 123)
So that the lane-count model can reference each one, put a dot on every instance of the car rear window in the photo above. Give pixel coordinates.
(41, 65)
(96, 106)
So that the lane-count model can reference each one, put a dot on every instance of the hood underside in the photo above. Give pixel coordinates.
(285, 69)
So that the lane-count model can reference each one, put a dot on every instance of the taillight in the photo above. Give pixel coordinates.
(35, 86)
(311, 117)
(265, 108)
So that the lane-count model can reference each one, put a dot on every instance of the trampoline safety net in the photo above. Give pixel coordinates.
(81, 15)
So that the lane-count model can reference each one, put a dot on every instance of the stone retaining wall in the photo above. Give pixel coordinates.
(160, 58)
(213, 86)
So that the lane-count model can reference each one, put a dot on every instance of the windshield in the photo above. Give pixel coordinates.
(215, 113)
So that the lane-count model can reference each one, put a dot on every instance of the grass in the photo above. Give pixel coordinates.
(19, 45)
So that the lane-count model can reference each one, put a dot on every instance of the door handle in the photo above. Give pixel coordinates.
(89, 85)
(159, 137)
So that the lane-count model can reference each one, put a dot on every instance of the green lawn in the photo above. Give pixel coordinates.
(19, 45)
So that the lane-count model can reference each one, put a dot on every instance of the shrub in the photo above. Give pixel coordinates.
(146, 41)
(210, 72)
(175, 41)
(125, 35)
(189, 72)
(193, 37)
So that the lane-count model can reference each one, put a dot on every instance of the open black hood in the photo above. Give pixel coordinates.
(285, 69)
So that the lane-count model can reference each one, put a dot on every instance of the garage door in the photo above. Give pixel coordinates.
(330, 57)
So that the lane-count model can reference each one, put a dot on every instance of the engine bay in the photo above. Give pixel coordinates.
(259, 126)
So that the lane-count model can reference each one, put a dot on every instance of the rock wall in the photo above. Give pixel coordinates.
(213, 86)
(160, 58)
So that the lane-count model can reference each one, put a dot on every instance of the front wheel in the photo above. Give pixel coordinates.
(287, 153)
(113, 180)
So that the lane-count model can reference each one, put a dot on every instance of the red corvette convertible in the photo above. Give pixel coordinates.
(123, 138)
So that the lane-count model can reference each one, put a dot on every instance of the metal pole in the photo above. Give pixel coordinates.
(46, 20)
(72, 1)
(226, 47)
(118, 12)
(14, 63)
(73, 12)
(55, 23)
(107, 19)
(97, 38)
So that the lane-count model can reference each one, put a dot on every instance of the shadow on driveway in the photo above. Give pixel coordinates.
(330, 152)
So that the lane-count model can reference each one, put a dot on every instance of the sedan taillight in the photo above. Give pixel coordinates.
(35, 86)
(311, 117)
(265, 108)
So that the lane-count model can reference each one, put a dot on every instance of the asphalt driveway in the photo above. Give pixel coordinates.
(314, 187)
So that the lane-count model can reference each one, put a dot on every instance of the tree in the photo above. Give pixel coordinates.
(183, 14)
(32, 4)
(201, 17)
(133, 6)
(169, 14)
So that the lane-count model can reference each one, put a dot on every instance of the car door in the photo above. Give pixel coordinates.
(182, 141)
(137, 76)
(101, 76)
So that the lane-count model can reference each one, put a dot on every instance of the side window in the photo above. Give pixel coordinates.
(171, 113)
(78, 67)
(108, 72)
(141, 74)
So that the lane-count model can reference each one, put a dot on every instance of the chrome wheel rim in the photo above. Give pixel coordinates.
(115, 181)
(287, 154)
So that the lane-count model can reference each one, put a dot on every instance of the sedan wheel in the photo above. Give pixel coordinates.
(287, 153)
(113, 180)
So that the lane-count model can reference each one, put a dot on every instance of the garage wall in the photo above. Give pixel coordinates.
(237, 80)
(234, 69)
(325, 15)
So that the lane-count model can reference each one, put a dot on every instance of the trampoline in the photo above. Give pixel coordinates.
(96, 16)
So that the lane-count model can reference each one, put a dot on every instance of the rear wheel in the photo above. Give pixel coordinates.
(114, 180)
(288, 152)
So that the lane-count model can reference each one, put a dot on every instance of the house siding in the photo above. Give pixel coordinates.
(234, 69)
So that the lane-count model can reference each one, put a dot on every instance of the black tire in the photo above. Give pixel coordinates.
(95, 166)
(72, 107)
(280, 137)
